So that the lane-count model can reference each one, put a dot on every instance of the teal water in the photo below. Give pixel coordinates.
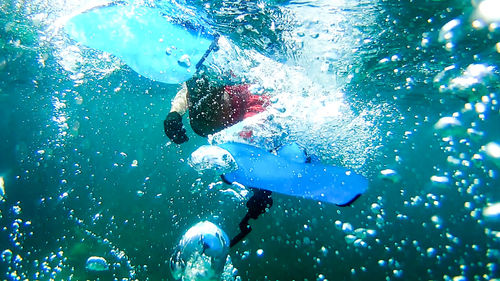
(87, 171)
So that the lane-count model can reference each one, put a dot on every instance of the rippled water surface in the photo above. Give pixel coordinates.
(403, 92)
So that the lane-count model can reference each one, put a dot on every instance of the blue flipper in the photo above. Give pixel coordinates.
(260, 169)
(145, 38)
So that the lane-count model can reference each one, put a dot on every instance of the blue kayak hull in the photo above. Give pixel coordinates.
(260, 169)
(144, 38)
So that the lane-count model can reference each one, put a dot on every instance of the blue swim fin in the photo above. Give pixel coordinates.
(148, 40)
(260, 169)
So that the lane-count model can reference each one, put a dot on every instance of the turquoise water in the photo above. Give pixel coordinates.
(87, 171)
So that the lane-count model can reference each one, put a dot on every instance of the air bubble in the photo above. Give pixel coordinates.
(2, 188)
(492, 211)
(492, 149)
(397, 273)
(16, 209)
(489, 10)
(449, 126)
(324, 251)
(360, 243)
(349, 238)
(321, 277)
(347, 227)
(338, 224)
(6, 255)
(431, 252)
(390, 174)
(184, 61)
(375, 208)
(97, 264)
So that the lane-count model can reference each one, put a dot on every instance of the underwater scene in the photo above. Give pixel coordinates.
(372, 151)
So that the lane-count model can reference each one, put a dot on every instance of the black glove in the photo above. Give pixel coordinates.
(174, 128)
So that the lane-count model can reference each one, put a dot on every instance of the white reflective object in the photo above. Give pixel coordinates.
(493, 150)
(96, 264)
(447, 122)
(489, 10)
(492, 211)
(6, 255)
(201, 253)
(212, 157)
(2, 188)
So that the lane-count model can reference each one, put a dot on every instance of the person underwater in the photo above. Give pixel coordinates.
(153, 52)
(212, 106)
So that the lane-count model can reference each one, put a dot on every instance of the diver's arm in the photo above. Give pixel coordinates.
(179, 103)
(174, 129)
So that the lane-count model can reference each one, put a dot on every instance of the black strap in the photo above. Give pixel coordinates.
(257, 205)
(213, 47)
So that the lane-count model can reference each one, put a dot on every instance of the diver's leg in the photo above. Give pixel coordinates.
(257, 204)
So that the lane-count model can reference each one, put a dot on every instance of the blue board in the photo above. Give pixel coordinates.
(146, 39)
(290, 173)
